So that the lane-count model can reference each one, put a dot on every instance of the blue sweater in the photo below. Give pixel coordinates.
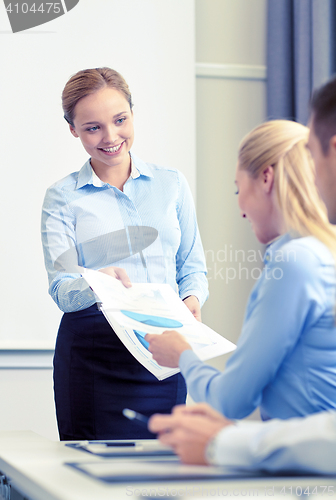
(285, 361)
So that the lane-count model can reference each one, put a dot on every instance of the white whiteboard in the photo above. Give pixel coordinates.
(151, 43)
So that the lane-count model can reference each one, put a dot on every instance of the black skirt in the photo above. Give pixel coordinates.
(95, 377)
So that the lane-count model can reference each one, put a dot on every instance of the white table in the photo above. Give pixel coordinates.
(35, 468)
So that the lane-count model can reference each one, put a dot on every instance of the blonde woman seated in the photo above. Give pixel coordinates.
(285, 358)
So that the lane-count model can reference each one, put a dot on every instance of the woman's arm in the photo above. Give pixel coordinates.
(66, 286)
(190, 260)
(281, 305)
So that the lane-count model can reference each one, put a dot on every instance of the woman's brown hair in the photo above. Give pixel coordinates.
(89, 81)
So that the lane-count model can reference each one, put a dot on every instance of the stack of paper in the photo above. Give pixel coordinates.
(152, 308)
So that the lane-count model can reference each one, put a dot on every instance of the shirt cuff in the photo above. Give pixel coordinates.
(232, 447)
(201, 291)
(187, 293)
(72, 294)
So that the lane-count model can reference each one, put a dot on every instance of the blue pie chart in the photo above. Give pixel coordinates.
(146, 319)
(140, 336)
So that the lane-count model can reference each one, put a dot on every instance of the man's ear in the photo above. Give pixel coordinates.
(73, 131)
(332, 145)
(268, 179)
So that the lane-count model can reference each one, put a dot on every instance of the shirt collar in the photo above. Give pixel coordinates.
(275, 245)
(134, 171)
(87, 175)
(142, 167)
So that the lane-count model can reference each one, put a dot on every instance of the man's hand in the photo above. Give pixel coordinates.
(188, 430)
(167, 347)
(119, 273)
(194, 306)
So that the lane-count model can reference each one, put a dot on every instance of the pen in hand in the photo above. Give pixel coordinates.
(135, 416)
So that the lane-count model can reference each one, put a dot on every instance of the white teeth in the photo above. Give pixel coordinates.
(112, 150)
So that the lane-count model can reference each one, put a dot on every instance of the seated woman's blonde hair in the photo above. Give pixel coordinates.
(282, 144)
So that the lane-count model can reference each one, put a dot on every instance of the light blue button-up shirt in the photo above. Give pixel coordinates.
(285, 361)
(149, 229)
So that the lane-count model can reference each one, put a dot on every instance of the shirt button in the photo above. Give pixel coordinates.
(267, 258)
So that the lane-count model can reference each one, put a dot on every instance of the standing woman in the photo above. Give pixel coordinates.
(130, 219)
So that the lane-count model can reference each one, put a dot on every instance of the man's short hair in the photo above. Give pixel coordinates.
(323, 113)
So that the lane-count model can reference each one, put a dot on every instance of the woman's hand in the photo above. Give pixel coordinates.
(189, 430)
(119, 273)
(167, 347)
(194, 306)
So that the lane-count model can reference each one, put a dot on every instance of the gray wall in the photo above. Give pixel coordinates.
(231, 95)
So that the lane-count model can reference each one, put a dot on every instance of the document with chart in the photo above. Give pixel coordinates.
(152, 308)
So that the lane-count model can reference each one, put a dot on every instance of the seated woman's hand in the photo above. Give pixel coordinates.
(189, 432)
(119, 273)
(167, 347)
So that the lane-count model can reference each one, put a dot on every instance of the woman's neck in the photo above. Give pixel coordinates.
(115, 175)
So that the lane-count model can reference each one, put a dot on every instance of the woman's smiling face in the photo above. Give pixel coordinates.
(104, 123)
